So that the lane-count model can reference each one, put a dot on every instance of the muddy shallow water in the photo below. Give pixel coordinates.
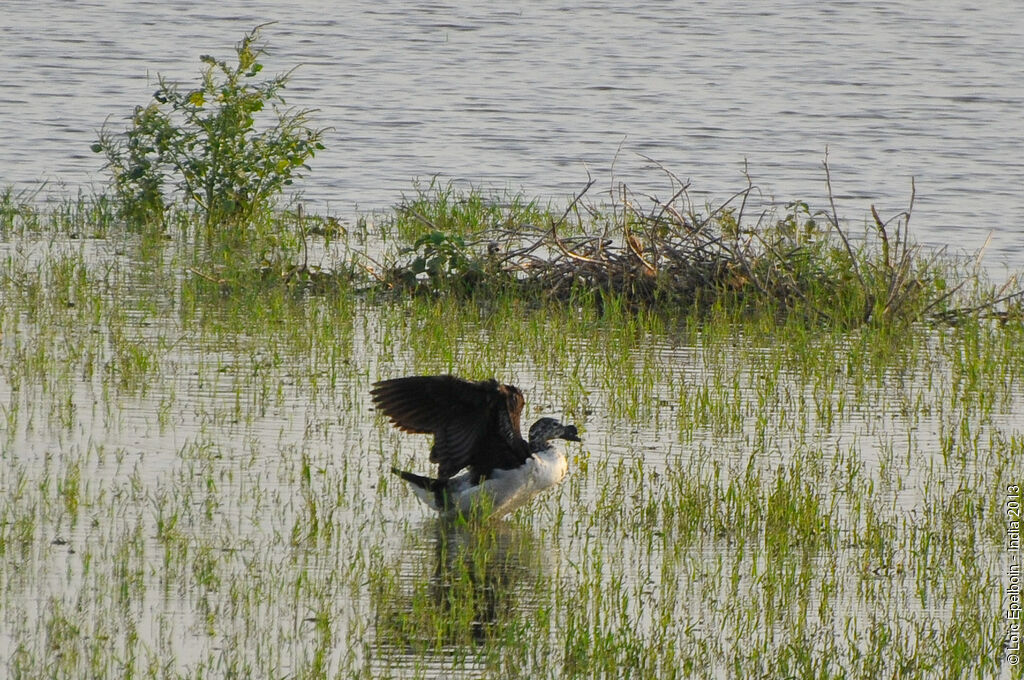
(198, 485)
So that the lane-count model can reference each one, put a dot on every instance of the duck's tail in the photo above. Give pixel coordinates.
(429, 490)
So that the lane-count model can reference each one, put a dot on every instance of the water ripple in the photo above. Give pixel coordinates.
(534, 97)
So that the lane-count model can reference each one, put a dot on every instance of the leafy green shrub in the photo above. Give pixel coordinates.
(203, 148)
(441, 261)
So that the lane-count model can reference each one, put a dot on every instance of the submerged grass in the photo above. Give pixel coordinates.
(193, 483)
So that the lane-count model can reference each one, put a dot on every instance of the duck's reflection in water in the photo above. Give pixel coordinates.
(455, 586)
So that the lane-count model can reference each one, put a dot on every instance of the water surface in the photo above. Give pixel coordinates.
(534, 96)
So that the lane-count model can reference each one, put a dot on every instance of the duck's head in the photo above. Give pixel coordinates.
(546, 429)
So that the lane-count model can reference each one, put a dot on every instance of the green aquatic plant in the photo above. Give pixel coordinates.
(439, 258)
(206, 148)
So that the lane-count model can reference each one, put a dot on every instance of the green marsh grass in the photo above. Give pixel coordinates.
(448, 209)
(193, 483)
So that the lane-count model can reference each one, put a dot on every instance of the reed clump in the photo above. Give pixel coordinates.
(646, 252)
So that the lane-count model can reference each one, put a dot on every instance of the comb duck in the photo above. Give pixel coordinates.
(476, 432)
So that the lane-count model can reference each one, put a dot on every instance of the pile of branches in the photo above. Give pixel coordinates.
(645, 251)
(651, 252)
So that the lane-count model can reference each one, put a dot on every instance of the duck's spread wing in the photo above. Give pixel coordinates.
(469, 420)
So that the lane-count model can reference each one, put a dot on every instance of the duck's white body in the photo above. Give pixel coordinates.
(504, 490)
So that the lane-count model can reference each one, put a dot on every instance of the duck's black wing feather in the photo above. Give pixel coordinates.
(475, 424)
